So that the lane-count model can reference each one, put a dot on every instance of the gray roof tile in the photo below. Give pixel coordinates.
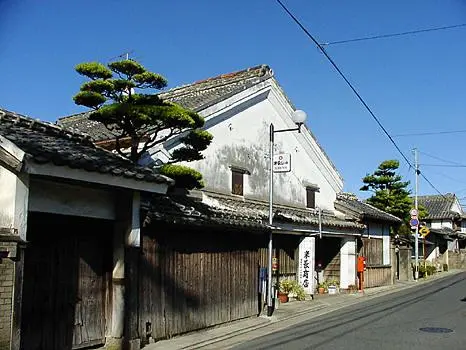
(438, 206)
(48, 143)
(350, 203)
(228, 211)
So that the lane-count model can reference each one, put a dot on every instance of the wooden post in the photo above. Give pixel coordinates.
(126, 252)
(132, 259)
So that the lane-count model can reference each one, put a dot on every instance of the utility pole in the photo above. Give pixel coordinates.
(270, 246)
(298, 117)
(416, 238)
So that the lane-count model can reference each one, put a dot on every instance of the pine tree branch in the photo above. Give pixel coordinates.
(118, 148)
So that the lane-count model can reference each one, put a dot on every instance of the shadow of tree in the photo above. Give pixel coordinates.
(379, 309)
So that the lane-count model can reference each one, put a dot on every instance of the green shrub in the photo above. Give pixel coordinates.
(299, 291)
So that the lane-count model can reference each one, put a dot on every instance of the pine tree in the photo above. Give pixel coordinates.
(122, 96)
(390, 193)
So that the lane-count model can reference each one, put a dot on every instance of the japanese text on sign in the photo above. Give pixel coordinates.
(282, 163)
(306, 264)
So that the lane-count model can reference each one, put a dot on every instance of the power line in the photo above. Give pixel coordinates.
(441, 159)
(345, 79)
(446, 165)
(432, 185)
(449, 177)
(320, 47)
(431, 133)
(391, 35)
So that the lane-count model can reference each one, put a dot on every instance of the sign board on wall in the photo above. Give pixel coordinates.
(282, 163)
(306, 264)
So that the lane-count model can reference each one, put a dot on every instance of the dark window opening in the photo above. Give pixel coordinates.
(311, 197)
(237, 182)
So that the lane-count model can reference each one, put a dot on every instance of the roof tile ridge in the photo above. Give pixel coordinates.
(267, 73)
(35, 124)
(380, 210)
(73, 116)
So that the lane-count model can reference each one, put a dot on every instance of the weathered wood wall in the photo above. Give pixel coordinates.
(285, 249)
(66, 270)
(372, 249)
(376, 276)
(192, 279)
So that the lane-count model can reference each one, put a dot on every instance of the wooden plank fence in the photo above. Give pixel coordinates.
(376, 276)
(192, 280)
(286, 251)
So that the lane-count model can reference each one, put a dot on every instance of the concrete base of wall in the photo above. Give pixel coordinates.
(113, 343)
(457, 260)
(121, 344)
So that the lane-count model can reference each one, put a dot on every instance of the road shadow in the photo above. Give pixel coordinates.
(379, 309)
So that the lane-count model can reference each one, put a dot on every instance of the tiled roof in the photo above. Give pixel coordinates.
(444, 232)
(189, 211)
(350, 203)
(227, 210)
(81, 123)
(196, 96)
(47, 143)
(438, 206)
(205, 93)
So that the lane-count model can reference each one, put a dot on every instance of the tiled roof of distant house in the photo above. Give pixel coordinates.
(349, 203)
(48, 143)
(439, 206)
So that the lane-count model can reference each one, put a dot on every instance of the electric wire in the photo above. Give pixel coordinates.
(431, 133)
(355, 91)
(448, 177)
(446, 165)
(345, 79)
(440, 159)
(391, 35)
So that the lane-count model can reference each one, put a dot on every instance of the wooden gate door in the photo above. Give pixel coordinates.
(64, 283)
(89, 317)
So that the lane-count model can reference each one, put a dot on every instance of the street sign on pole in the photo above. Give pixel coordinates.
(282, 163)
(413, 212)
(414, 222)
(424, 231)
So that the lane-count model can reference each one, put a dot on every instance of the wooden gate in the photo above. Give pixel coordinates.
(192, 280)
(65, 276)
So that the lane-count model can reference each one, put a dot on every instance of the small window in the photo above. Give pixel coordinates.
(237, 182)
(311, 196)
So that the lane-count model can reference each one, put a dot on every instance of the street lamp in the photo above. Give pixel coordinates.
(298, 117)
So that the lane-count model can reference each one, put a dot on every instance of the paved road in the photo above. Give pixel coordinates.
(388, 322)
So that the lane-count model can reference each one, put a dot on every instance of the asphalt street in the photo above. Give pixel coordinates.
(431, 316)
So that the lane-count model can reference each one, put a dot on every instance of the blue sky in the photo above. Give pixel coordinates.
(413, 83)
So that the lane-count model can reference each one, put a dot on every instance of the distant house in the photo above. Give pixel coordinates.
(212, 244)
(69, 221)
(445, 218)
(375, 243)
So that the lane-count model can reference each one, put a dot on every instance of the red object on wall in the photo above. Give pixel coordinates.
(361, 264)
